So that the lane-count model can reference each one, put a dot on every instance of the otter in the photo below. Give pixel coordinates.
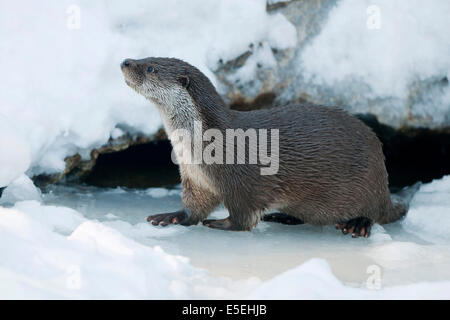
(331, 166)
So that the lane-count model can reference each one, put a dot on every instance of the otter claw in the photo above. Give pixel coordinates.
(164, 219)
(222, 224)
(358, 227)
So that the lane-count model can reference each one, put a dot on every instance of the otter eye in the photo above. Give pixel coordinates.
(150, 69)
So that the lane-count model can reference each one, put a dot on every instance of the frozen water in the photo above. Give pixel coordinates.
(270, 248)
(54, 252)
(430, 212)
(82, 241)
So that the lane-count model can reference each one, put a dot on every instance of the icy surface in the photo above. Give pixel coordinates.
(63, 92)
(54, 252)
(86, 242)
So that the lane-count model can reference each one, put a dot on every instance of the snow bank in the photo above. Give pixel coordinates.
(314, 280)
(62, 90)
(380, 50)
(53, 252)
(50, 251)
(429, 215)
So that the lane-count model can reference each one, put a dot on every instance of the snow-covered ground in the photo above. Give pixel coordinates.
(86, 242)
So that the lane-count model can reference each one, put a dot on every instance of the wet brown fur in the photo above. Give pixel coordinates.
(331, 164)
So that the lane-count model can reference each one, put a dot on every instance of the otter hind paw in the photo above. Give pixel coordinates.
(282, 218)
(358, 227)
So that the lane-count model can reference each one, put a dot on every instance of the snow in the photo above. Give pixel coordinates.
(64, 92)
(429, 215)
(14, 154)
(314, 280)
(87, 242)
(162, 192)
(20, 189)
(380, 50)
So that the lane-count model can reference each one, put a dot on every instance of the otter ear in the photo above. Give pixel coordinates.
(184, 80)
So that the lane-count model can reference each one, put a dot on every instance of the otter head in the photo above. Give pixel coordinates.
(181, 92)
(164, 81)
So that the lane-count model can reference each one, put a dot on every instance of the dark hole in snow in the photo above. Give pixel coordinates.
(411, 155)
(140, 166)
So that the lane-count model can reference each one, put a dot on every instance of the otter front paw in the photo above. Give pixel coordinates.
(358, 227)
(164, 219)
(222, 224)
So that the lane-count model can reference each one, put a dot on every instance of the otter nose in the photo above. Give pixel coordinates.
(125, 63)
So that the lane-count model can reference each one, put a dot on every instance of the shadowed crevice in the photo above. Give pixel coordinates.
(412, 154)
(140, 166)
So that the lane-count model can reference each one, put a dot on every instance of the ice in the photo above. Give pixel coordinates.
(20, 189)
(87, 242)
(314, 280)
(64, 92)
(379, 234)
(348, 47)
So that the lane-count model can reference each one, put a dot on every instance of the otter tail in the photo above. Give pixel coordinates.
(400, 202)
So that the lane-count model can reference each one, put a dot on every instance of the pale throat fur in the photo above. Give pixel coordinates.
(179, 112)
